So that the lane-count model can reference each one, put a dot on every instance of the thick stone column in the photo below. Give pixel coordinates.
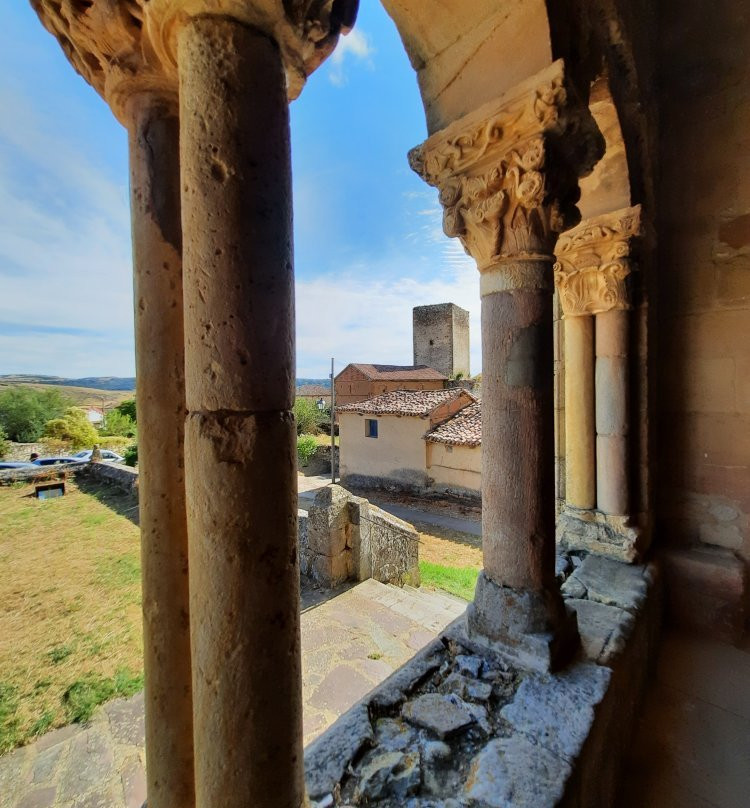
(506, 183)
(612, 412)
(157, 259)
(592, 266)
(580, 425)
(240, 434)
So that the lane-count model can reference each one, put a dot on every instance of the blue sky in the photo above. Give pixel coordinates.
(368, 238)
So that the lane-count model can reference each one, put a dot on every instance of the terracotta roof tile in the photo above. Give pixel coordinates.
(398, 372)
(313, 390)
(404, 402)
(463, 429)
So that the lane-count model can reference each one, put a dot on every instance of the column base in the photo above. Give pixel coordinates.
(533, 630)
(601, 533)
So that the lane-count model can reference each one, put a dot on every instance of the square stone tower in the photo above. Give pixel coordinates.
(441, 338)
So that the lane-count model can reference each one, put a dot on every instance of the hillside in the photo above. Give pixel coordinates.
(80, 396)
(92, 382)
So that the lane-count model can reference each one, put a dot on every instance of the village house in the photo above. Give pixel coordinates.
(413, 440)
(315, 392)
(358, 382)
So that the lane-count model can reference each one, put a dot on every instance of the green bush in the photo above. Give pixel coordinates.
(306, 448)
(307, 415)
(115, 443)
(128, 408)
(74, 427)
(24, 412)
(4, 444)
(118, 424)
(131, 455)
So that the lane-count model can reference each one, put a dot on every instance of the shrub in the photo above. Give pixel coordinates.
(74, 427)
(55, 446)
(118, 424)
(307, 415)
(115, 443)
(24, 412)
(4, 444)
(306, 448)
(128, 408)
(131, 455)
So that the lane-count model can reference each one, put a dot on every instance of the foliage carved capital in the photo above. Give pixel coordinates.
(593, 261)
(507, 173)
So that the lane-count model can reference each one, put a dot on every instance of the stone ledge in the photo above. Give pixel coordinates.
(596, 532)
(505, 737)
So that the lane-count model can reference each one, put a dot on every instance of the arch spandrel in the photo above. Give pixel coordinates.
(467, 52)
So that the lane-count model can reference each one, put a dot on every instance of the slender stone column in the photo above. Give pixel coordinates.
(157, 259)
(612, 412)
(592, 266)
(240, 434)
(506, 183)
(580, 429)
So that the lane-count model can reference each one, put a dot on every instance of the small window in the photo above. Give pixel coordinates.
(371, 428)
(448, 448)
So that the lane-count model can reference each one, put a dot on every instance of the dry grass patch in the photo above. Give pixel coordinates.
(70, 607)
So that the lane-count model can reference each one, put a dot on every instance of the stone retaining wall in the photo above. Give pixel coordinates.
(123, 477)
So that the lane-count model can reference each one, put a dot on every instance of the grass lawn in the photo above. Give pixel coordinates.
(325, 440)
(459, 581)
(70, 607)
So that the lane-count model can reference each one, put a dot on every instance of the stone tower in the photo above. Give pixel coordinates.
(441, 338)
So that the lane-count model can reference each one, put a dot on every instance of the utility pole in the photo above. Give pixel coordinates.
(333, 427)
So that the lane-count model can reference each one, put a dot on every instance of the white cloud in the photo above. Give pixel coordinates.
(355, 46)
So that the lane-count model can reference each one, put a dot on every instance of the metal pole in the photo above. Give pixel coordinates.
(333, 427)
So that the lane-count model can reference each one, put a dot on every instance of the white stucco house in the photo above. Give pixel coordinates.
(425, 440)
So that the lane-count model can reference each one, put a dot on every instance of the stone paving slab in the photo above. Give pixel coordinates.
(352, 640)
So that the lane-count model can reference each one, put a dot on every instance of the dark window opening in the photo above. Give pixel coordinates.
(371, 428)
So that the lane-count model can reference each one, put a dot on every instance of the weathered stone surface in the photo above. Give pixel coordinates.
(609, 582)
(603, 534)
(89, 761)
(391, 774)
(466, 687)
(393, 735)
(327, 758)
(435, 756)
(445, 715)
(126, 720)
(39, 798)
(45, 764)
(558, 711)
(134, 783)
(469, 665)
(516, 773)
(604, 629)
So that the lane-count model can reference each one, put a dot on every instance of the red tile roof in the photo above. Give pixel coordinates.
(404, 402)
(463, 429)
(398, 372)
(313, 390)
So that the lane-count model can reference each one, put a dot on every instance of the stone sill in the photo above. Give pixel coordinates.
(455, 728)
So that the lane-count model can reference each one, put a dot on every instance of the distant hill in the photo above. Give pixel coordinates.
(91, 382)
(322, 382)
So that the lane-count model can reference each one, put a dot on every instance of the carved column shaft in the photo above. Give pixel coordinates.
(240, 434)
(508, 183)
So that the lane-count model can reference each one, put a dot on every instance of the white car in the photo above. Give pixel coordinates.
(107, 455)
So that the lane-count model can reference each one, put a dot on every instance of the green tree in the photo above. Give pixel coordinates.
(74, 427)
(118, 423)
(127, 407)
(4, 445)
(306, 448)
(130, 455)
(307, 416)
(24, 412)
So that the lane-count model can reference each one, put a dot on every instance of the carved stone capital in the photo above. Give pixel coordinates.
(593, 261)
(105, 42)
(507, 173)
(306, 30)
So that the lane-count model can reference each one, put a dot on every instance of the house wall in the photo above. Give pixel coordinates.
(703, 493)
(458, 468)
(441, 338)
(398, 454)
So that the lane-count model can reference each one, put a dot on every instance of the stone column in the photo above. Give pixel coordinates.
(157, 259)
(507, 181)
(612, 412)
(580, 425)
(240, 435)
(592, 266)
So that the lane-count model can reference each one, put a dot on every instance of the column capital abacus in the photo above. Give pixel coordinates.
(306, 31)
(507, 173)
(105, 42)
(593, 261)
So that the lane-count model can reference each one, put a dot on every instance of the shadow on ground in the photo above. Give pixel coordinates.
(124, 504)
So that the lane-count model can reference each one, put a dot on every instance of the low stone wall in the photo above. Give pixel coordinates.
(460, 725)
(36, 474)
(415, 485)
(123, 477)
(345, 537)
(21, 452)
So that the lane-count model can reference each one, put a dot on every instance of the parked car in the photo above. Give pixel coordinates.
(15, 465)
(107, 456)
(55, 461)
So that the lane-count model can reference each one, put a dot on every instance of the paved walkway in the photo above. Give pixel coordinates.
(309, 486)
(352, 639)
(692, 749)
